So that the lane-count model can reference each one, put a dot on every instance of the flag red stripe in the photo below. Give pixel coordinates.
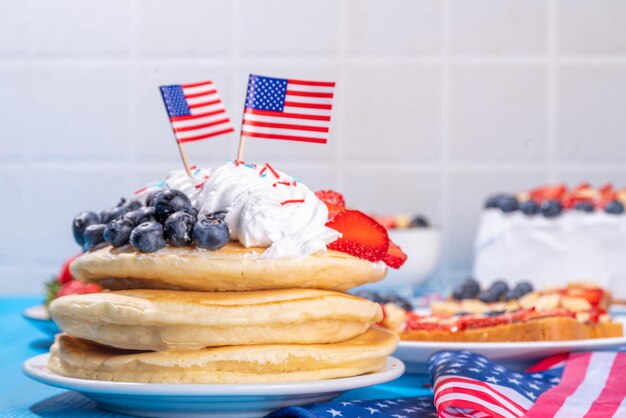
(204, 125)
(546, 363)
(287, 115)
(553, 399)
(212, 102)
(613, 393)
(285, 137)
(204, 93)
(312, 83)
(285, 126)
(463, 403)
(205, 136)
(309, 105)
(481, 395)
(309, 94)
(198, 84)
(200, 115)
(441, 381)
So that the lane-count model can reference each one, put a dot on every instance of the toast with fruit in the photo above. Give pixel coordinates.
(498, 314)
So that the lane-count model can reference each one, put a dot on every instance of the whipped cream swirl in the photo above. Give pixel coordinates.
(265, 208)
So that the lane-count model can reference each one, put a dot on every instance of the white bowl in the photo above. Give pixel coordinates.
(423, 248)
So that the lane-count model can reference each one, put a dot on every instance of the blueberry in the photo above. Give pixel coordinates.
(419, 221)
(82, 221)
(511, 295)
(178, 229)
(551, 208)
(148, 237)
(499, 287)
(457, 294)
(494, 313)
(508, 204)
(111, 214)
(470, 288)
(133, 205)
(93, 235)
(122, 202)
(584, 206)
(402, 302)
(368, 294)
(529, 207)
(117, 232)
(170, 201)
(614, 207)
(141, 215)
(194, 212)
(488, 296)
(217, 215)
(494, 201)
(522, 288)
(150, 197)
(210, 234)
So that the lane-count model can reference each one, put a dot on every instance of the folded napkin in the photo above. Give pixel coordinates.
(466, 384)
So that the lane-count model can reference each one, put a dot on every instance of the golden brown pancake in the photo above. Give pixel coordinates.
(82, 359)
(232, 268)
(162, 320)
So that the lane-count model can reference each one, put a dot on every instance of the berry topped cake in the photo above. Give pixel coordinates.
(552, 235)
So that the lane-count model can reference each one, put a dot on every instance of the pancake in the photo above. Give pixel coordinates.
(82, 359)
(162, 320)
(231, 268)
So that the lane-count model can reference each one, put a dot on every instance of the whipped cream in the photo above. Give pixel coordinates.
(265, 207)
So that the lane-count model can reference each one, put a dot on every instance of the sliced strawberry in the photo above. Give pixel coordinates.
(333, 210)
(65, 275)
(362, 236)
(76, 287)
(395, 257)
(593, 296)
(542, 194)
(331, 197)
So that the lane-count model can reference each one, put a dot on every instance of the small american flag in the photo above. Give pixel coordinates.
(287, 109)
(196, 111)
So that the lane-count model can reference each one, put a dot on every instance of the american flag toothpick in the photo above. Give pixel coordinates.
(286, 109)
(196, 112)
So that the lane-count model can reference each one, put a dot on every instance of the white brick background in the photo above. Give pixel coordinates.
(439, 103)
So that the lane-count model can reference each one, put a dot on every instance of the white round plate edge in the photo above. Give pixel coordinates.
(36, 368)
(37, 313)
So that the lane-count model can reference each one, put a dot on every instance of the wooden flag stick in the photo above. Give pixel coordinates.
(242, 145)
(183, 157)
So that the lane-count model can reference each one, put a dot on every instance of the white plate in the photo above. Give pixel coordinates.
(516, 355)
(39, 317)
(201, 400)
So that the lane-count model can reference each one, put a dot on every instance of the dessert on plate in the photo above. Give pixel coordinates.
(553, 235)
(231, 276)
(500, 314)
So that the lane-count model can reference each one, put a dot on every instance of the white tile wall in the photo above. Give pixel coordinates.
(439, 103)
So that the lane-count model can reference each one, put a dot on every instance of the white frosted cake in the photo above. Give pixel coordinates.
(576, 235)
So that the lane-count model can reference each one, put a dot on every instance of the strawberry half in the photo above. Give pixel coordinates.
(331, 197)
(395, 257)
(65, 275)
(362, 236)
(76, 287)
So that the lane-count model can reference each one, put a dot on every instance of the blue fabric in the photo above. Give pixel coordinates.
(23, 397)
(421, 406)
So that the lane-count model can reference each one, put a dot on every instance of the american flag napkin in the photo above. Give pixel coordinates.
(465, 384)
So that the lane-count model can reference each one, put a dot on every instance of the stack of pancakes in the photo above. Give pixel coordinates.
(185, 315)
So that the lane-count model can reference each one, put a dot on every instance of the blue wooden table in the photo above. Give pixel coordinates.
(22, 397)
